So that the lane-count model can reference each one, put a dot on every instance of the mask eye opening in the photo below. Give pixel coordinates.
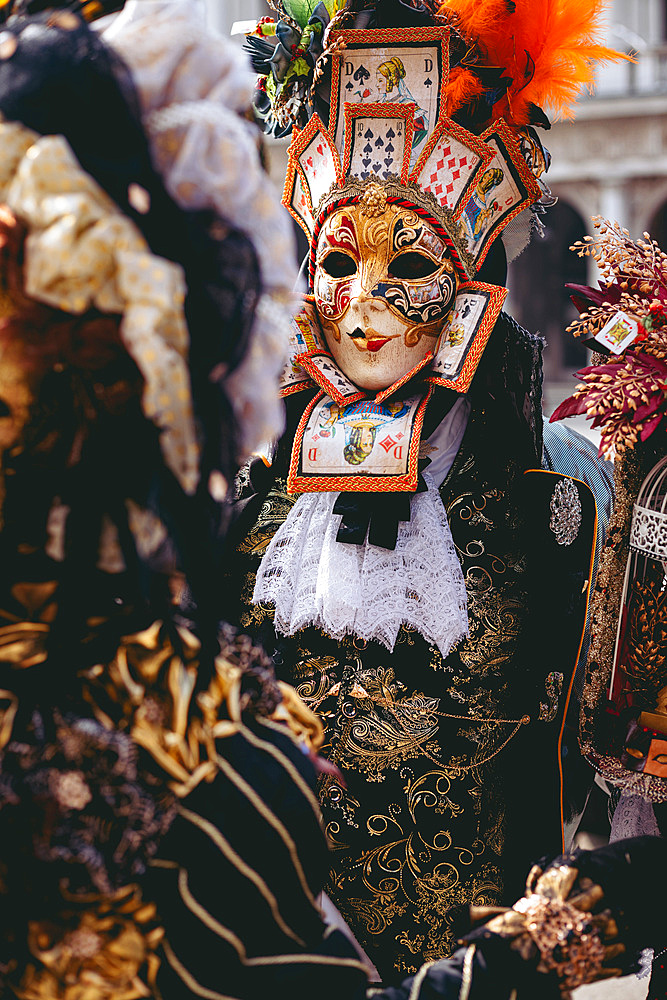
(338, 265)
(411, 266)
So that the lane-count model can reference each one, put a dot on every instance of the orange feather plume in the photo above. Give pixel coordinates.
(548, 47)
(463, 87)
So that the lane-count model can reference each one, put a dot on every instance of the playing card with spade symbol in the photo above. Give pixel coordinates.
(378, 140)
(325, 372)
(398, 66)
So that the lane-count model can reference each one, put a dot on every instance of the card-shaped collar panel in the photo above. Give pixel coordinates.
(465, 334)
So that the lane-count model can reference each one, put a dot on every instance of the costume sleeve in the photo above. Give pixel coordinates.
(237, 879)
(470, 974)
(573, 454)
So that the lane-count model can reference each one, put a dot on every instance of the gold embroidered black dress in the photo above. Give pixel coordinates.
(449, 768)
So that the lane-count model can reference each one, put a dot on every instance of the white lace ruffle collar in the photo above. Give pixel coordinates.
(364, 590)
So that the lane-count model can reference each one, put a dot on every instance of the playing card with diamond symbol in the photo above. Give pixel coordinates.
(450, 164)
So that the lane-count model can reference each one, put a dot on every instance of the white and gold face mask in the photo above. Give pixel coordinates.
(383, 286)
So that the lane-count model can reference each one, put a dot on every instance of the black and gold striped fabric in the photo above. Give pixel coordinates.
(237, 877)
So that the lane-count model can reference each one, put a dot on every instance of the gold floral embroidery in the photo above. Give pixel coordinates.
(375, 915)
(471, 507)
(417, 867)
(432, 790)
(314, 677)
(413, 945)
(432, 895)
(436, 898)
(495, 621)
(496, 602)
(385, 729)
(273, 512)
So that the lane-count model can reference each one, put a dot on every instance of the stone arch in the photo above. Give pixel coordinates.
(538, 297)
(656, 221)
(580, 198)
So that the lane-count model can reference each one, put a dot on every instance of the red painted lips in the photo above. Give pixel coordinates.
(369, 340)
(378, 342)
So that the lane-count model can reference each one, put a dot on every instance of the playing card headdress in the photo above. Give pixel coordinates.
(468, 187)
(442, 111)
(429, 106)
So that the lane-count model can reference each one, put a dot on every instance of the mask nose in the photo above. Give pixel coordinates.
(369, 297)
(357, 290)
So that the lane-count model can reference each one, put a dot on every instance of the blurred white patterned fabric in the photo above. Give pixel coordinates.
(195, 88)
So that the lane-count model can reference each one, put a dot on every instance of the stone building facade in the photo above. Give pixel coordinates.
(610, 161)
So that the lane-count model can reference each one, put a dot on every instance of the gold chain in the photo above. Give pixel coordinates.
(393, 707)
(523, 721)
(518, 723)
(477, 763)
(395, 710)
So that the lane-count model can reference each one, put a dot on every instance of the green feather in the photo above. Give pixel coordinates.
(301, 10)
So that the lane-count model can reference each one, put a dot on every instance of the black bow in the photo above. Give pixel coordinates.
(375, 514)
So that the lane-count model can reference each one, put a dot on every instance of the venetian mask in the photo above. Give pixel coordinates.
(384, 283)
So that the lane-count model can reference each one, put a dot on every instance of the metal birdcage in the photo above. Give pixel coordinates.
(638, 687)
(648, 534)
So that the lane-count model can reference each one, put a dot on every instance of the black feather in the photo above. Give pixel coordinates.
(260, 52)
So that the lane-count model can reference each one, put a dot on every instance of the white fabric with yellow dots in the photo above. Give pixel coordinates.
(195, 89)
(81, 252)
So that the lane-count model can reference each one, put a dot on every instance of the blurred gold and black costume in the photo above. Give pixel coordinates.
(159, 833)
